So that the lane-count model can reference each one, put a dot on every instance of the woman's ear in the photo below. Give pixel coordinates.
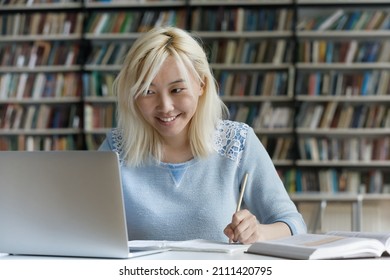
(202, 87)
(201, 91)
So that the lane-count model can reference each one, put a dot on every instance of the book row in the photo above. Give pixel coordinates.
(249, 51)
(39, 53)
(50, 23)
(351, 149)
(224, 18)
(134, 21)
(93, 141)
(98, 84)
(108, 53)
(43, 116)
(342, 19)
(343, 115)
(352, 51)
(39, 143)
(376, 82)
(335, 181)
(210, 19)
(99, 116)
(279, 148)
(204, 19)
(219, 51)
(39, 85)
(29, 2)
(252, 83)
(262, 116)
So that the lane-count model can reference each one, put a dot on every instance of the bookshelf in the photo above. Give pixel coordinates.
(342, 124)
(342, 88)
(316, 92)
(40, 95)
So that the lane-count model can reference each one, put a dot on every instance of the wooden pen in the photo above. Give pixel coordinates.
(243, 185)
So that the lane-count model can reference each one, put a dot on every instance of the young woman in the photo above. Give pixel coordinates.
(182, 164)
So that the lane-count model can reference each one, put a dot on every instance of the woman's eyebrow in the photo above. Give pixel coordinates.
(173, 82)
(177, 81)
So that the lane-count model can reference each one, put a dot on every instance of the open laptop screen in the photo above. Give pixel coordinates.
(62, 203)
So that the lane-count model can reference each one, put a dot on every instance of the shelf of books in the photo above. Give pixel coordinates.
(341, 2)
(343, 90)
(21, 5)
(250, 50)
(40, 81)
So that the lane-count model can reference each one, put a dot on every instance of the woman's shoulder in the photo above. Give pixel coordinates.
(230, 139)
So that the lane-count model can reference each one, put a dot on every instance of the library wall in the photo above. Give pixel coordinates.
(311, 77)
(40, 81)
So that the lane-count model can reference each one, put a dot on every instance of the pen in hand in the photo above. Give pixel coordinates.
(243, 185)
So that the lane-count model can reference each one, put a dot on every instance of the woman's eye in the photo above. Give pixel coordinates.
(149, 92)
(177, 90)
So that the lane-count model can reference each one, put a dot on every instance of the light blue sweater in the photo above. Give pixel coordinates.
(197, 199)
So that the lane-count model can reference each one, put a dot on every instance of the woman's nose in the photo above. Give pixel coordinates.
(165, 103)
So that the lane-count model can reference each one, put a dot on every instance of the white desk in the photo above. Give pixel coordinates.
(185, 255)
(168, 255)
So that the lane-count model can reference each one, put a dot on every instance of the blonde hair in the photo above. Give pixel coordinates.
(141, 65)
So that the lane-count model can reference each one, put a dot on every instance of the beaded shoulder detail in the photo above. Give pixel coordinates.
(117, 143)
(229, 139)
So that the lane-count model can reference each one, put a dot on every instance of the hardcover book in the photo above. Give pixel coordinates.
(332, 245)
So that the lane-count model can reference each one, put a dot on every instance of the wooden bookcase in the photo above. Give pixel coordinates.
(319, 100)
(343, 90)
(40, 96)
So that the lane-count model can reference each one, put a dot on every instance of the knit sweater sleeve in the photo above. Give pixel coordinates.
(265, 194)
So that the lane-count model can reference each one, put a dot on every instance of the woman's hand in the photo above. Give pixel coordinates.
(246, 229)
(243, 228)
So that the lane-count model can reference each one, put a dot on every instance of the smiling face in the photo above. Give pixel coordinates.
(170, 102)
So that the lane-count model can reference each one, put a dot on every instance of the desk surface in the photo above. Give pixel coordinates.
(168, 255)
(171, 255)
(185, 255)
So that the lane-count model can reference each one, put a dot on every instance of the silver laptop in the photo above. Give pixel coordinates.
(62, 204)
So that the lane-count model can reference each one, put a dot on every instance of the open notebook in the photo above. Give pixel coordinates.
(196, 245)
(63, 204)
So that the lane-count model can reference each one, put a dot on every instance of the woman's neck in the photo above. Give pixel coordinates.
(177, 152)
